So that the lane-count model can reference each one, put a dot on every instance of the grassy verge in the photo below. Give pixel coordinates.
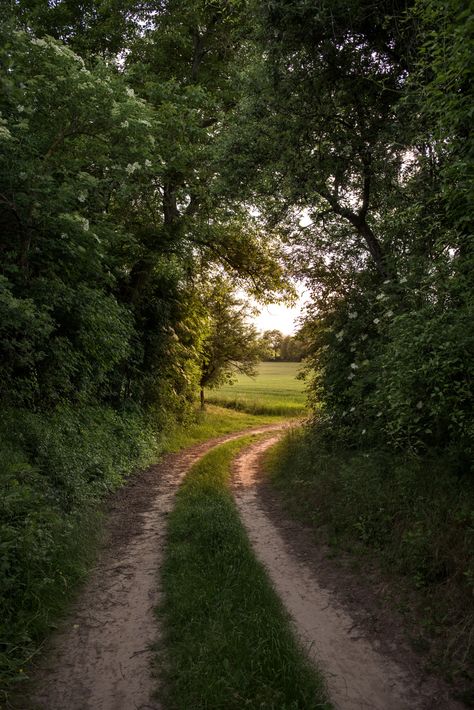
(228, 642)
(410, 516)
(264, 406)
(55, 469)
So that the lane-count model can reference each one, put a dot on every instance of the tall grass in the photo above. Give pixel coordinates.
(228, 642)
(273, 406)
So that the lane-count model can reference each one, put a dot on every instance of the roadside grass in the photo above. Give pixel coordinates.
(215, 421)
(55, 471)
(274, 391)
(411, 517)
(228, 641)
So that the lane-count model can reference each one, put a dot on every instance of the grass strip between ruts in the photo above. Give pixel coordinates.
(228, 641)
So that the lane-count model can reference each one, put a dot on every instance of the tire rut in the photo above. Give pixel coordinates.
(359, 676)
(101, 658)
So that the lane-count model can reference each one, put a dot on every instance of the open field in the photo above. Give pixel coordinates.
(274, 391)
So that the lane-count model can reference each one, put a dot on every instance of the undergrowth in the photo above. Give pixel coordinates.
(228, 642)
(414, 515)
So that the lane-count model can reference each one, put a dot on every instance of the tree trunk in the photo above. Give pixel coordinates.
(203, 401)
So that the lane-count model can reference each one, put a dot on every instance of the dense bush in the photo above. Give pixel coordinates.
(388, 366)
(391, 351)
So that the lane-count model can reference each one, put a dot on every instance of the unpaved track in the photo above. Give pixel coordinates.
(101, 659)
(359, 677)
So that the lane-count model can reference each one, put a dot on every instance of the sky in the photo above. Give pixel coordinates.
(278, 317)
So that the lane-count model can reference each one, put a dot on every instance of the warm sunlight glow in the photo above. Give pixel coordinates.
(280, 317)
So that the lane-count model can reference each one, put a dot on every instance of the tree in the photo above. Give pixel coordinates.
(272, 341)
(363, 130)
(108, 209)
(292, 349)
(232, 344)
(319, 129)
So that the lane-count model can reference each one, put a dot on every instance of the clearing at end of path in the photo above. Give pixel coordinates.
(358, 675)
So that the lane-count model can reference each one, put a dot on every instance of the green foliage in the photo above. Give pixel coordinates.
(228, 642)
(101, 199)
(284, 348)
(443, 89)
(67, 145)
(394, 366)
(231, 344)
(415, 516)
(109, 217)
(356, 143)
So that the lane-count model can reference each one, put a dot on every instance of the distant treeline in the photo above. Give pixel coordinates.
(281, 348)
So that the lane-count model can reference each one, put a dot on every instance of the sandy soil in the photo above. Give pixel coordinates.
(101, 658)
(360, 674)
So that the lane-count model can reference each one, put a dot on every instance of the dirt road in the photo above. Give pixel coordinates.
(101, 659)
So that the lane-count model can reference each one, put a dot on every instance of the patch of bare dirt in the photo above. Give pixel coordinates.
(358, 646)
(101, 658)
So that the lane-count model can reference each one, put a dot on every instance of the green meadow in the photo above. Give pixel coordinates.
(275, 390)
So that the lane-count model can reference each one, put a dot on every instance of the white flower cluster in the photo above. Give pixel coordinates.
(132, 167)
(39, 42)
(5, 133)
